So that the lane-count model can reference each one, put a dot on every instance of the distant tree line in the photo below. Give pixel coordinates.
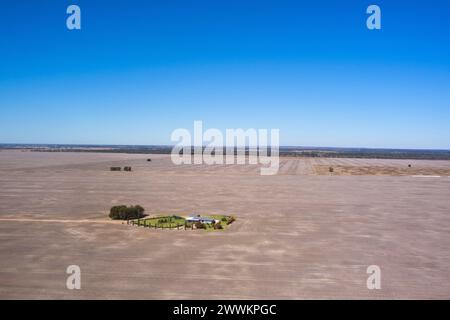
(284, 151)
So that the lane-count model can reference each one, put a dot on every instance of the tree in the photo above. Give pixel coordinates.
(126, 213)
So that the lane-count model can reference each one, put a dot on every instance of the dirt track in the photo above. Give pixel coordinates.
(298, 234)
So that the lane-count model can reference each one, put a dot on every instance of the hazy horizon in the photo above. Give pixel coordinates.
(306, 147)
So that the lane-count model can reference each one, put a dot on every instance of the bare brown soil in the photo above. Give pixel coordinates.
(378, 170)
(298, 234)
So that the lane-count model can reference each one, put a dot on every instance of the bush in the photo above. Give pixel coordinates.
(126, 213)
(231, 220)
(163, 220)
(200, 225)
(218, 226)
(331, 169)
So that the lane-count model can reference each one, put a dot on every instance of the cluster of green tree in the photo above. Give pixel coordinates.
(217, 226)
(200, 225)
(126, 213)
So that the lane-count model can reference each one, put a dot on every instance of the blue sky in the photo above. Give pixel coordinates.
(137, 70)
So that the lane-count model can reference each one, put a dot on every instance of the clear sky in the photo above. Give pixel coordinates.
(137, 70)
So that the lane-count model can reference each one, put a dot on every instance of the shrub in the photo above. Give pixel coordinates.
(200, 225)
(218, 226)
(331, 169)
(126, 213)
(231, 220)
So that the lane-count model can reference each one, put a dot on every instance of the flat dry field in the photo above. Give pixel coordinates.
(304, 233)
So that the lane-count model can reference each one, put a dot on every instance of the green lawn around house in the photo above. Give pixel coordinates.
(163, 222)
(178, 222)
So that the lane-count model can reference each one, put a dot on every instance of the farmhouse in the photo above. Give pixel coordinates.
(201, 219)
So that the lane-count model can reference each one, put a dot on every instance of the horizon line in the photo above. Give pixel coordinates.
(193, 146)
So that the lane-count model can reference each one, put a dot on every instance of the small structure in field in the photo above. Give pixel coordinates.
(115, 168)
(201, 219)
